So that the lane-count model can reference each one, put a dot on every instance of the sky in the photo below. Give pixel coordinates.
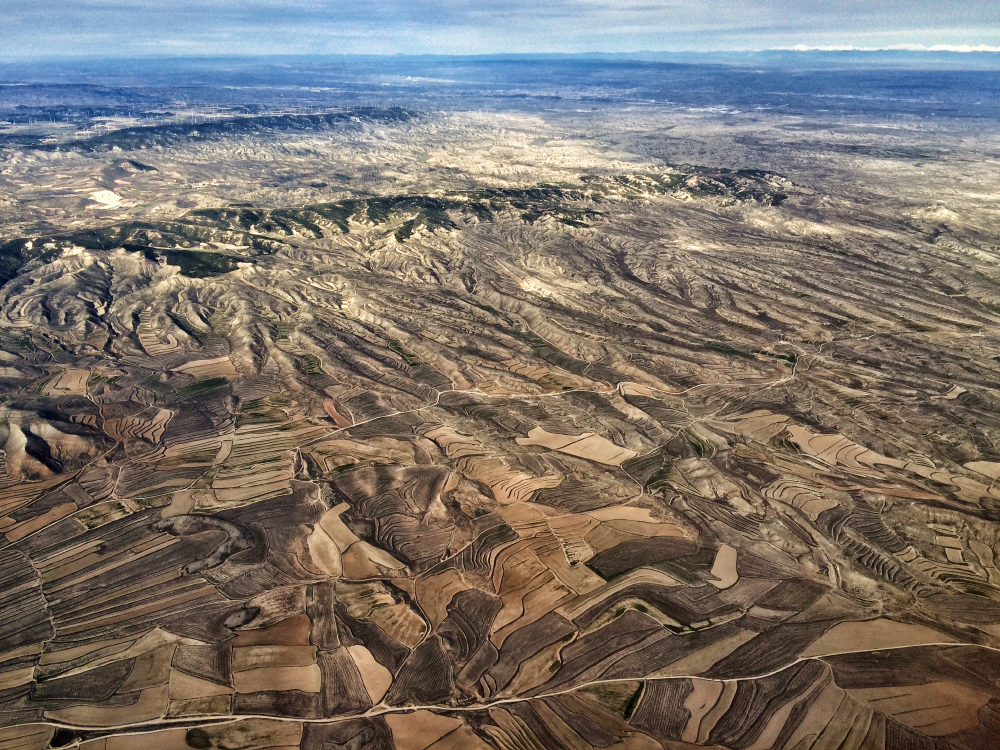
(38, 29)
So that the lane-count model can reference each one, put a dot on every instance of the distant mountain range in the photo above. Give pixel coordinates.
(958, 56)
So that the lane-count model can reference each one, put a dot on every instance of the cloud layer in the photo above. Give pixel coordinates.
(124, 28)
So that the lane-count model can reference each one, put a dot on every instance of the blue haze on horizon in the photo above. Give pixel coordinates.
(47, 29)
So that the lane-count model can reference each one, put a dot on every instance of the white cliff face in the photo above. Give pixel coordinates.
(107, 199)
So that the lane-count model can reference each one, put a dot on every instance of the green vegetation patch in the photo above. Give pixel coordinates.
(181, 241)
(196, 264)
(411, 359)
(267, 410)
(185, 325)
(201, 386)
(337, 214)
(722, 348)
(15, 253)
(310, 364)
(790, 358)
(284, 330)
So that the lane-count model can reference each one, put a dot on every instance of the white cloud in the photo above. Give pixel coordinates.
(134, 27)
(908, 47)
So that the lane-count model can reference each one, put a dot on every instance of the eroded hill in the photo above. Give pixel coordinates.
(670, 458)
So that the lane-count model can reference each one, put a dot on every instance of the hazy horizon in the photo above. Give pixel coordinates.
(949, 57)
(154, 28)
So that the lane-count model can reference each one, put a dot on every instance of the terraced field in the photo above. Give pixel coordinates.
(666, 458)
